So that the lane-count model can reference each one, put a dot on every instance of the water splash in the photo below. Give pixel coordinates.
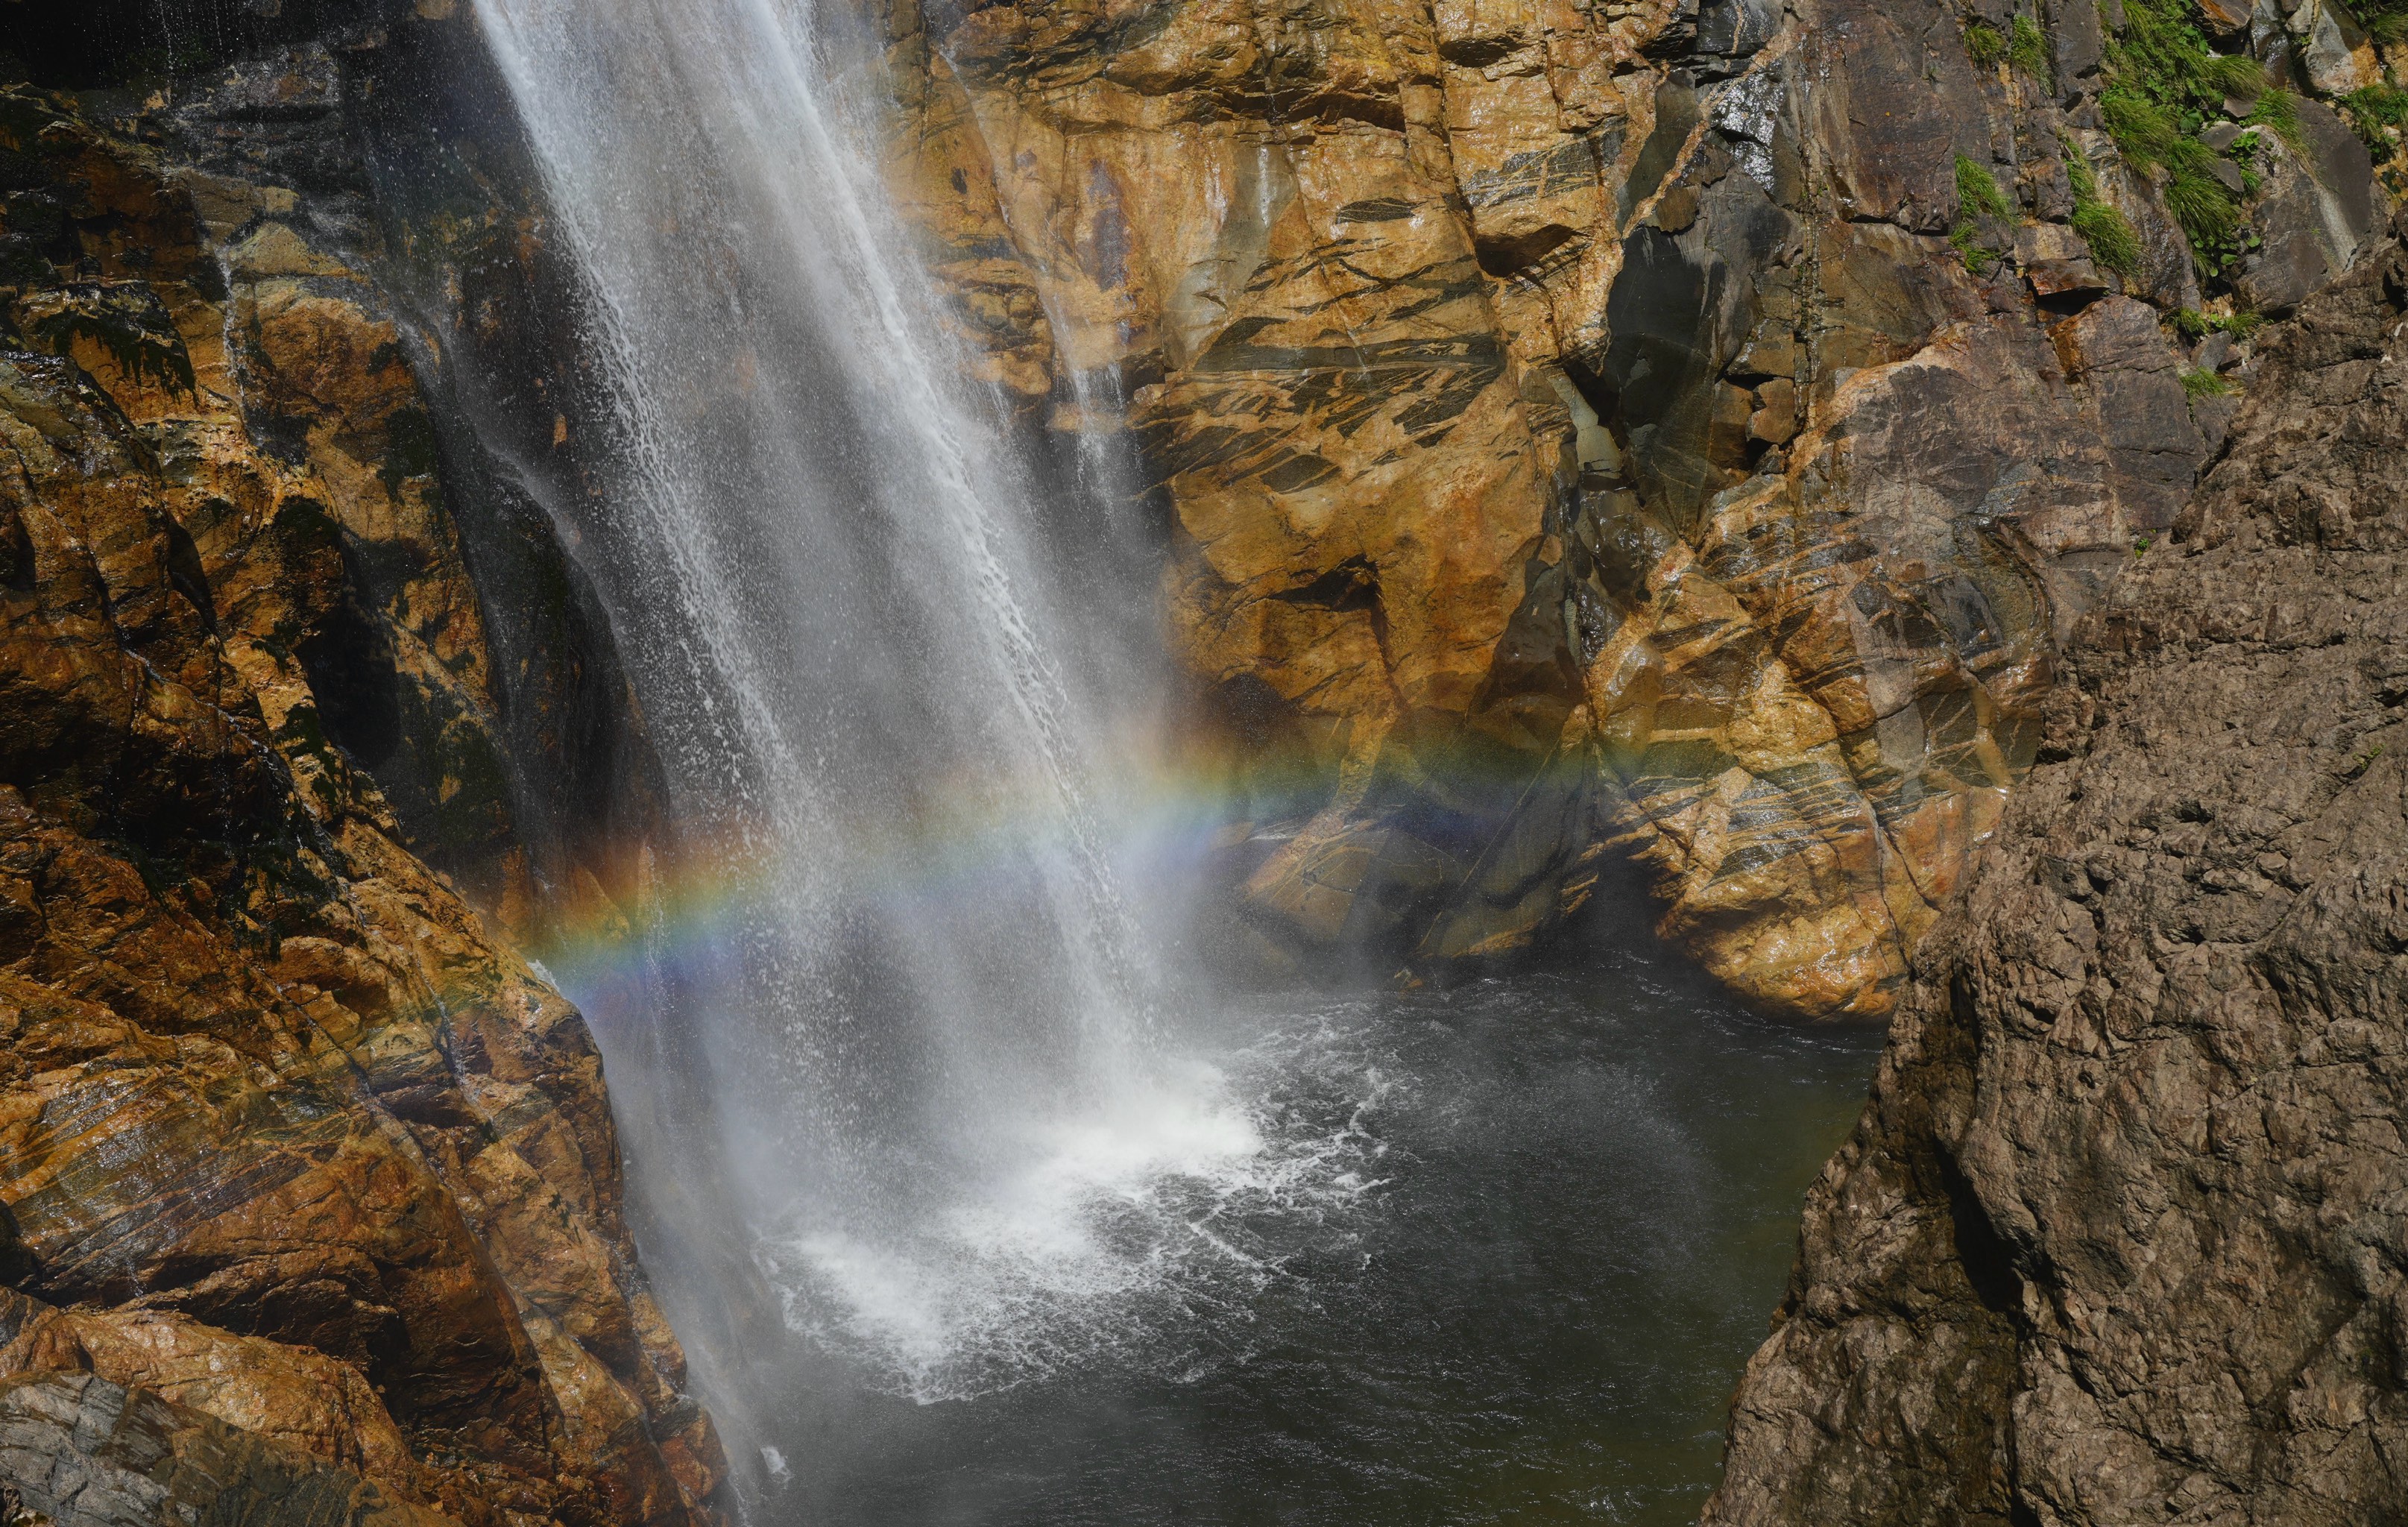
(1139, 1235)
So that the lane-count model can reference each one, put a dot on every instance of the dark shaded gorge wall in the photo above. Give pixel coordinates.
(308, 727)
(494, 335)
(528, 781)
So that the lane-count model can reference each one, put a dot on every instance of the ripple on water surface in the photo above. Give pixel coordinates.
(1487, 1254)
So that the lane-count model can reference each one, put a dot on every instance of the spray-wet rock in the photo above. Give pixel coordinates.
(81, 1451)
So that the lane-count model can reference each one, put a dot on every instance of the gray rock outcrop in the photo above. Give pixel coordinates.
(2123, 1235)
(84, 1452)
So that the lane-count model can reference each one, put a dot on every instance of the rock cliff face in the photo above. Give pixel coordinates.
(1584, 430)
(2120, 1237)
(1740, 437)
(289, 1137)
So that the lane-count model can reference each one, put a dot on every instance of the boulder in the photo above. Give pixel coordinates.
(80, 1451)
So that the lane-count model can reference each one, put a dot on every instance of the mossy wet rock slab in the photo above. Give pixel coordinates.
(2119, 1237)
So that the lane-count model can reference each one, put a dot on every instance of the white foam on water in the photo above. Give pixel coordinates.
(1132, 1233)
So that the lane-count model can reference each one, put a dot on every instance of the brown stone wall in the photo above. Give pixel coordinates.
(1577, 432)
(2119, 1238)
(287, 1134)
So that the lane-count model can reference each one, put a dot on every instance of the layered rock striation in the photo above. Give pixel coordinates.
(81, 1450)
(2120, 1236)
(304, 1172)
(1583, 430)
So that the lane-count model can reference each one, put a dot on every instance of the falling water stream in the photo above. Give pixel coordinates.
(1049, 1235)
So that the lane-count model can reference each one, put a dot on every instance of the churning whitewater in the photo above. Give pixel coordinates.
(1138, 1235)
(964, 1137)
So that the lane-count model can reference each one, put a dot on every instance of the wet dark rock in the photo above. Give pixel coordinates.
(84, 1452)
(286, 1127)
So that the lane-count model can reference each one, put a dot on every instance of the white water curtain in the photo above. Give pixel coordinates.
(890, 698)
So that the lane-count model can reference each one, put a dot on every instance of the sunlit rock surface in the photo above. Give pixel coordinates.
(1575, 434)
(287, 1136)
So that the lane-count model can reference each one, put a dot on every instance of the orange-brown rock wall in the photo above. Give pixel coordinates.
(1585, 430)
(289, 1135)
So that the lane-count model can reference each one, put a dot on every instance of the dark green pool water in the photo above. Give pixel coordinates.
(1535, 1227)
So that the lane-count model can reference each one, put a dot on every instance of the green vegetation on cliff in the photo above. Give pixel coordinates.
(2165, 83)
(2385, 20)
(2023, 45)
(2113, 243)
(1977, 196)
(2027, 49)
(2378, 113)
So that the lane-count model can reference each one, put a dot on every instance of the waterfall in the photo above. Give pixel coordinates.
(902, 686)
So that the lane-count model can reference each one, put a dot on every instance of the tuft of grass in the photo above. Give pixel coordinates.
(2278, 111)
(2165, 84)
(1978, 193)
(1977, 196)
(2111, 236)
(2023, 45)
(2377, 112)
(2162, 54)
(2205, 207)
(2029, 50)
(2198, 381)
(1964, 239)
(2238, 77)
(2385, 20)
(2144, 130)
(2193, 325)
(2114, 245)
(2150, 135)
